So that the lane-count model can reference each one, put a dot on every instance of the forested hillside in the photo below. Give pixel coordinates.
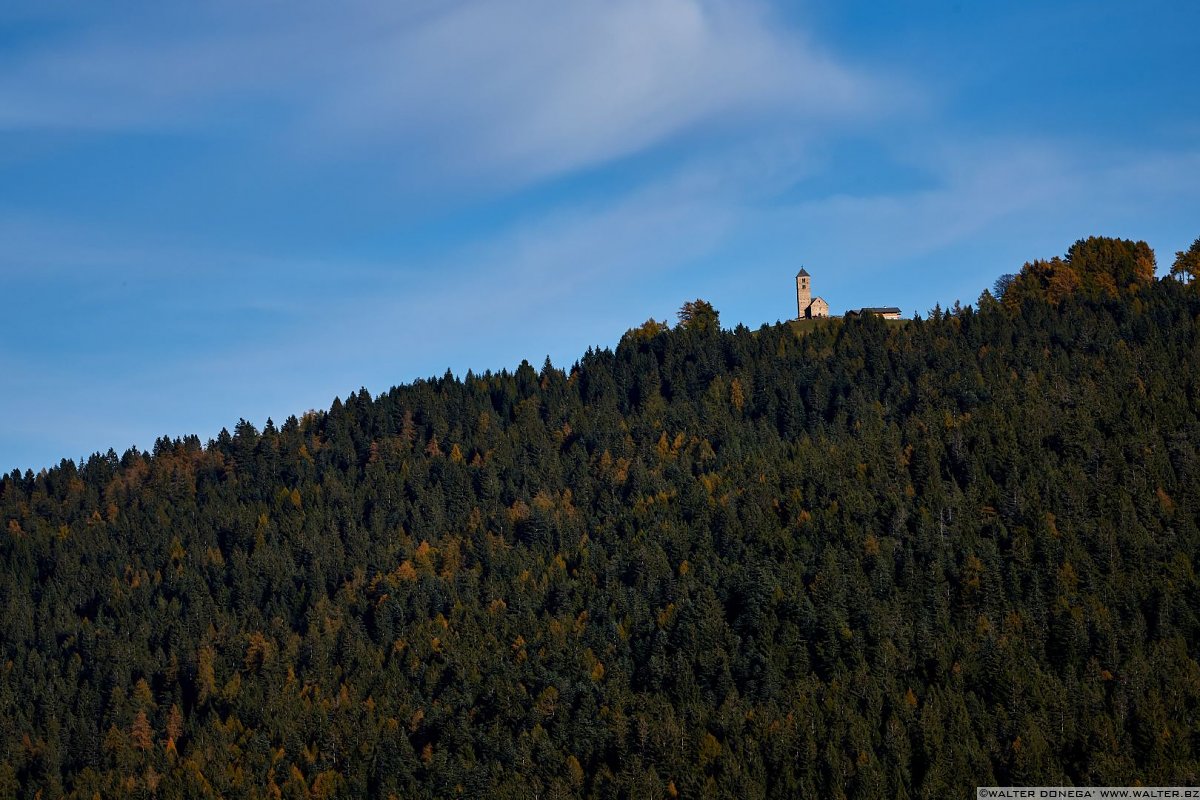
(878, 560)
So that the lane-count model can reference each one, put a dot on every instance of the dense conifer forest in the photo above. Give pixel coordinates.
(849, 559)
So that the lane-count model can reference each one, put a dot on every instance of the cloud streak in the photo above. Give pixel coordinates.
(510, 92)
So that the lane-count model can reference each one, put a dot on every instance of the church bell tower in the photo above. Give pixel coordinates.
(803, 293)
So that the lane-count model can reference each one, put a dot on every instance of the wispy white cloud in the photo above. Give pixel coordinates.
(988, 182)
(590, 81)
(508, 91)
(973, 187)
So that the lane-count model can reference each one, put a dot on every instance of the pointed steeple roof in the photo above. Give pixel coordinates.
(803, 273)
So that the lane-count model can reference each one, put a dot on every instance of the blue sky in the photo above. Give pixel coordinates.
(242, 209)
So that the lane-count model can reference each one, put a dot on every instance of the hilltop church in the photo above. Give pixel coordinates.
(809, 307)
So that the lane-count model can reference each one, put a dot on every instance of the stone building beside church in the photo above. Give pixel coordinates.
(887, 312)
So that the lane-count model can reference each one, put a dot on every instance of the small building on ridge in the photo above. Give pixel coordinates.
(887, 312)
